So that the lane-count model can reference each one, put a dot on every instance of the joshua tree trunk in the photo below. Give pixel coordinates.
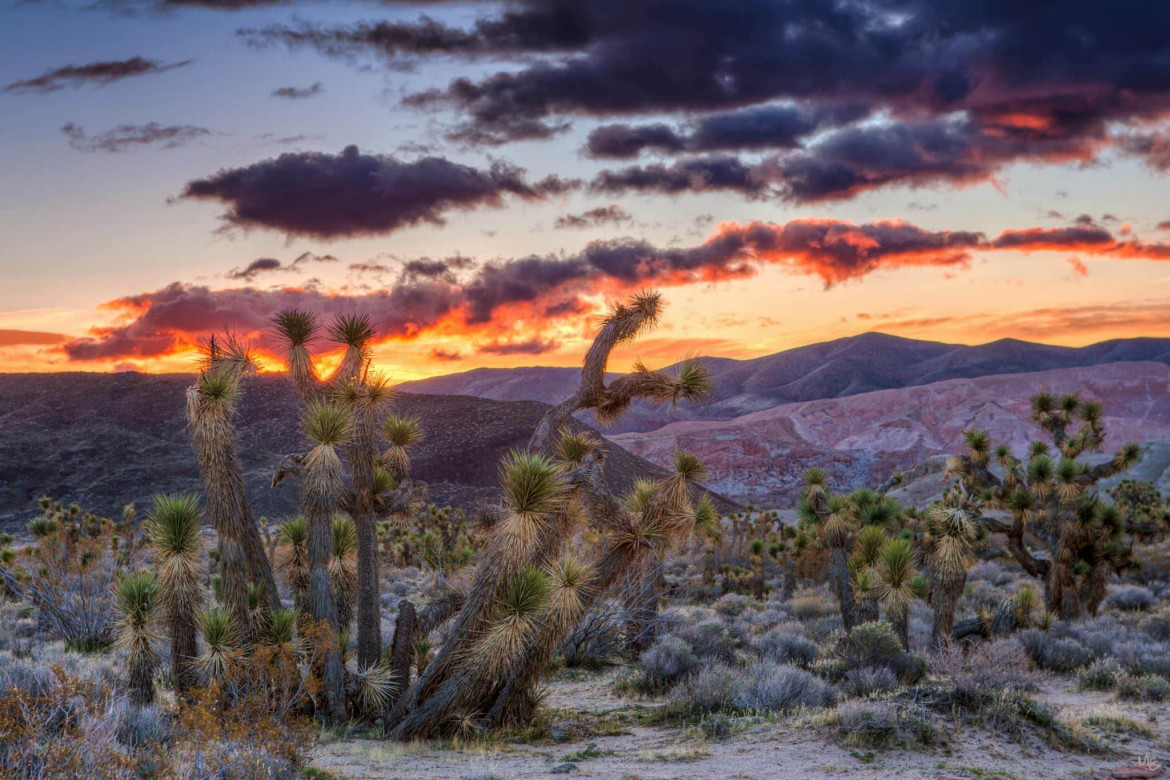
(402, 649)
(642, 594)
(318, 503)
(362, 458)
(241, 551)
(843, 585)
(184, 649)
(944, 596)
(900, 620)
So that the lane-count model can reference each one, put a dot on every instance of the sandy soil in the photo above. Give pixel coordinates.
(787, 749)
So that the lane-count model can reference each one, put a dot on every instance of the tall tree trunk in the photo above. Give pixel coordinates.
(843, 585)
(900, 620)
(184, 649)
(944, 597)
(402, 649)
(363, 455)
(318, 504)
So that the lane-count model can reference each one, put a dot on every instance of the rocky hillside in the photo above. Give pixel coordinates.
(834, 369)
(861, 439)
(104, 440)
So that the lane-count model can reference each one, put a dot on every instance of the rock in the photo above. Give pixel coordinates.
(563, 769)
(1137, 772)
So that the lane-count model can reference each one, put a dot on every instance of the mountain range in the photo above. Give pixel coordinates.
(833, 369)
(861, 407)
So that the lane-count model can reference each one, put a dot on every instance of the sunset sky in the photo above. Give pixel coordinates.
(481, 178)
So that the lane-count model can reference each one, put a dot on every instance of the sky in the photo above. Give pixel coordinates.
(482, 179)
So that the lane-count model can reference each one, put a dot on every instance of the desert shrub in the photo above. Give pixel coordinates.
(597, 639)
(1142, 656)
(710, 639)
(984, 671)
(1157, 627)
(68, 574)
(732, 605)
(872, 725)
(711, 689)
(992, 572)
(869, 680)
(767, 687)
(809, 605)
(1101, 675)
(779, 646)
(144, 726)
(1131, 598)
(667, 661)
(875, 644)
(1054, 653)
(717, 725)
(1143, 687)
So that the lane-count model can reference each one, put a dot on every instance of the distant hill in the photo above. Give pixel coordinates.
(833, 369)
(862, 439)
(104, 440)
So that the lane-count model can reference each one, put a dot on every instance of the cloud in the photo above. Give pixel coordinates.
(709, 174)
(958, 91)
(352, 194)
(601, 215)
(125, 137)
(264, 265)
(298, 93)
(533, 346)
(97, 74)
(454, 295)
(14, 338)
(445, 355)
(763, 127)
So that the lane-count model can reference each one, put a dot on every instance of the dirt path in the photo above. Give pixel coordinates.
(788, 749)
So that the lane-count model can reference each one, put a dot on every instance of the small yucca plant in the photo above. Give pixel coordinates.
(173, 527)
(220, 643)
(136, 597)
(373, 687)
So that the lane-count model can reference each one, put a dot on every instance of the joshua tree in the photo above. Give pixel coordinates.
(327, 427)
(526, 596)
(1052, 501)
(137, 596)
(211, 403)
(946, 542)
(898, 584)
(173, 527)
(838, 520)
(379, 484)
(221, 641)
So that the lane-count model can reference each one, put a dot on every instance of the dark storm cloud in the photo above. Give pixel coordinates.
(602, 215)
(265, 265)
(351, 194)
(298, 93)
(705, 174)
(125, 137)
(765, 127)
(964, 89)
(95, 74)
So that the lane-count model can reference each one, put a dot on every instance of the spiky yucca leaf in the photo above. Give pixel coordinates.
(401, 433)
(343, 567)
(869, 543)
(352, 330)
(531, 483)
(173, 527)
(978, 445)
(575, 447)
(568, 577)
(688, 466)
(523, 599)
(282, 631)
(1127, 456)
(136, 596)
(42, 527)
(374, 686)
(294, 561)
(219, 387)
(385, 481)
(815, 477)
(707, 520)
(220, 639)
(326, 424)
(298, 328)
(895, 568)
